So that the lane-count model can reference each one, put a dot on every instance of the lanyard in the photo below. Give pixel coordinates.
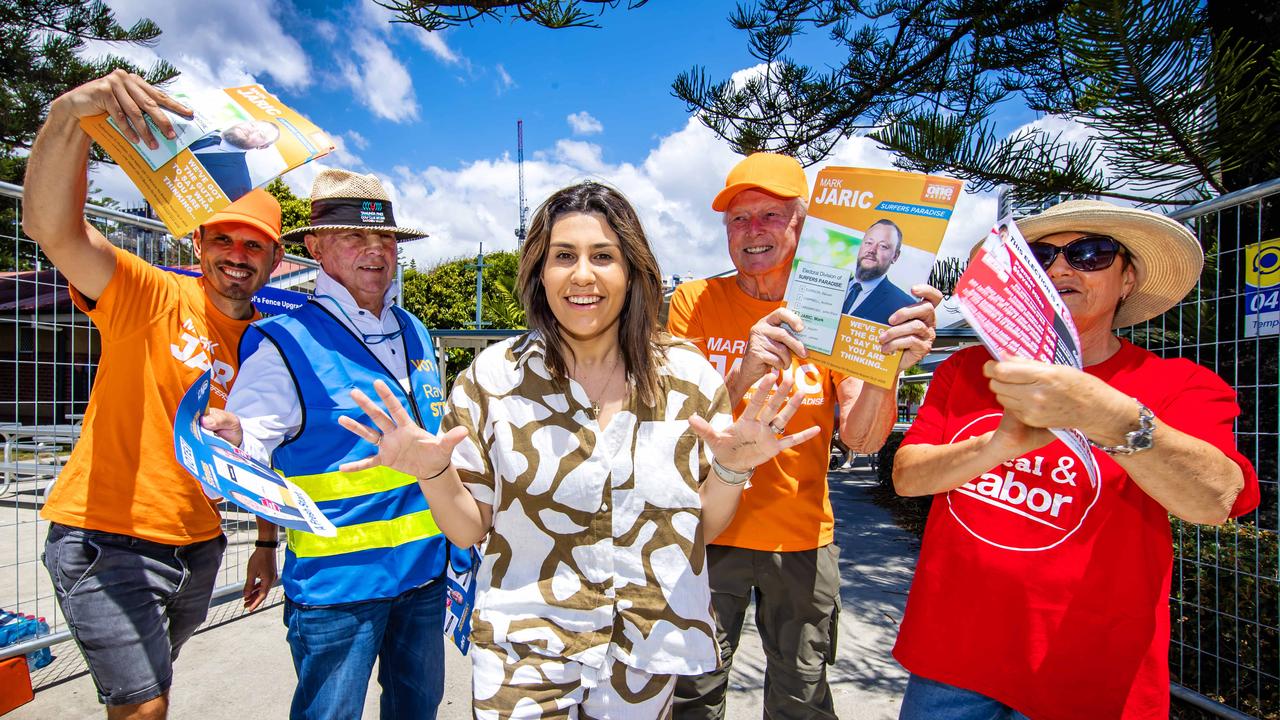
(368, 338)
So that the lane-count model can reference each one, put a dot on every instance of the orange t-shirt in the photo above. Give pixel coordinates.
(159, 334)
(787, 508)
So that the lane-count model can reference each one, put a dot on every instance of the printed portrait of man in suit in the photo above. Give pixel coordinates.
(240, 157)
(870, 295)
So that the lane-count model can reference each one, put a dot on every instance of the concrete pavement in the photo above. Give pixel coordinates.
(238, 667)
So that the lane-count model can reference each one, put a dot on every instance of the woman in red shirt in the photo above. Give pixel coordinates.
(1039, 592)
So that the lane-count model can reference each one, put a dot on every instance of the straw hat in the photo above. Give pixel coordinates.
(775, 174)
(1167, 258)
(343, 200)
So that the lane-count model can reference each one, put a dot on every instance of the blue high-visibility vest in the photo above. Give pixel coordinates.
(387, 540)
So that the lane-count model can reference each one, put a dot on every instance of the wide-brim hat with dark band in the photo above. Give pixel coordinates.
(343, 200)
(1166, 257)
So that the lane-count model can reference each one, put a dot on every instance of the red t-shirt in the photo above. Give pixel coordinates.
(1034, 587)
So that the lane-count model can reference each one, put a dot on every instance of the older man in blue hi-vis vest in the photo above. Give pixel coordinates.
(373, 592)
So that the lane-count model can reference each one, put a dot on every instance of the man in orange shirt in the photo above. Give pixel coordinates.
(134, 545)
(779, 548)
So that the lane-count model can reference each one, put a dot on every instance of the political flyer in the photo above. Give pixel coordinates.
(870, 235)
(460, 597)
(1013, 307)
(225, 472)
(240, 138)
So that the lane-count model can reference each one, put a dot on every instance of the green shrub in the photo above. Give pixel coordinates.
(884, 468)
(1225, 603)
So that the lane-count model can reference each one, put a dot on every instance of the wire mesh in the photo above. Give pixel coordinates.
(48, 357)
(1225, 594)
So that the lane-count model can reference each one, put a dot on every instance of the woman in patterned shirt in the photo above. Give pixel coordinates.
(595, 456)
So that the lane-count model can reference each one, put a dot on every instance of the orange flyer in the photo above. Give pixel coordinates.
(239, 139)
(870, 235)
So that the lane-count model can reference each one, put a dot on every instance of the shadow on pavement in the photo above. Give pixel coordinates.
(877, 563)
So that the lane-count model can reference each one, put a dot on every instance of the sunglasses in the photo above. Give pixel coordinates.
(1089, 253)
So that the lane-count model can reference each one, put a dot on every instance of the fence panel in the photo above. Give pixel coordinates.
(48, 358)
(1225, 596)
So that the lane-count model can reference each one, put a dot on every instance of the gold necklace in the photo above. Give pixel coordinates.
(595, 405)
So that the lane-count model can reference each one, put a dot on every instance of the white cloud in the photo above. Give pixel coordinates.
(505, 81)
(585, 156)
(434, 43)
(377, 19)
(218, 43)
(341, 156)
(379, 80)
(671, 189)
(583, 123)
(357, 139)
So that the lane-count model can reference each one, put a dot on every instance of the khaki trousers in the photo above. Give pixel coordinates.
(797, 596)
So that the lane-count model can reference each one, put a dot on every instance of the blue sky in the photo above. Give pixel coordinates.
(433, 114)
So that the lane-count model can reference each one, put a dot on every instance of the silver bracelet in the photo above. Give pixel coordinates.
(731, 477)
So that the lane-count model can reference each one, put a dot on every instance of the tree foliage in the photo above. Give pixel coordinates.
(1177, 108)
(445, 296)
(1152, 84)
(295, 212)
(548, 13)
(946, 273)
(1147, 78)
(40, 46)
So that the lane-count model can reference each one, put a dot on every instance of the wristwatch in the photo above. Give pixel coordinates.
(731, 477)
(1138, 440)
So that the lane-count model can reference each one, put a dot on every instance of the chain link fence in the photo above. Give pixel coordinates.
(1225, 597)
(48, 359)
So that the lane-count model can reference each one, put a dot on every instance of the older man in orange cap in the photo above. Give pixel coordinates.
(779, 548)
(134, 545)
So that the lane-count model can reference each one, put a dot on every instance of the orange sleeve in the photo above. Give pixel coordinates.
(129, 302)
(680, 320)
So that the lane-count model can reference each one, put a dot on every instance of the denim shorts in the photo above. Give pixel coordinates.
(130, 604)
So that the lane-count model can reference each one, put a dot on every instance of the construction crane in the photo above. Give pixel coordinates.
(524, 207)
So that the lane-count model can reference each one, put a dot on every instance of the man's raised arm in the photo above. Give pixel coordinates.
(57, 179)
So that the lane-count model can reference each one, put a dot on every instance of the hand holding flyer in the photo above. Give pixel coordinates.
(869, 237)
(1012, 305)
(226, 472)
(239, 139)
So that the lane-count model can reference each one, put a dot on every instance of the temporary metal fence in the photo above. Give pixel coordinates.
(48, 359)
(1225, 598)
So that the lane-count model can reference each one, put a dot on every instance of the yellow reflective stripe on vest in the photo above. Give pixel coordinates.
(340, 486)
(366, 536)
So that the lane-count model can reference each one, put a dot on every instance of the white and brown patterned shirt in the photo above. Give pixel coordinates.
(596, 547)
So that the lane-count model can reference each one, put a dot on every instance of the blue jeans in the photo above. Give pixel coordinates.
(334, 647)
(927, 699)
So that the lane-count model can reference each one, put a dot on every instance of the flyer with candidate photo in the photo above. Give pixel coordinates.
(225, 472)
(870, 235)
(1011, 304)
(239, 139)
(460, 596)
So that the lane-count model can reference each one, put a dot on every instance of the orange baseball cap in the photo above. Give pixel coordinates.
(257, 209)
(775, 174)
